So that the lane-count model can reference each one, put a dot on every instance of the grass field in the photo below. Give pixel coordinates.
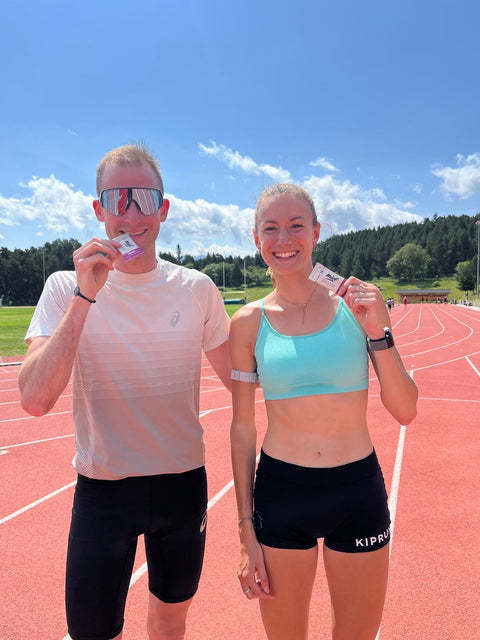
(14, 321)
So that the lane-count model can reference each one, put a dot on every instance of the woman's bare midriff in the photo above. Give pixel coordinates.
(318, 431)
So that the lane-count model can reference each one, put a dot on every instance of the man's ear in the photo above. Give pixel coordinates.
(97, 207)
(164, 210)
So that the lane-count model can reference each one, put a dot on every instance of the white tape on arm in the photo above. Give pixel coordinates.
(244, 376)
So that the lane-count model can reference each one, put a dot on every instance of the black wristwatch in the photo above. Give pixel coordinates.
(76, 292)
(382, 343)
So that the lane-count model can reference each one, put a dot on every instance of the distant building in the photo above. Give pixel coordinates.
(422, 295)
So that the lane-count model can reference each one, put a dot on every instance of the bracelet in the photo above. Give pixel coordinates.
(243, 519)
(76, 292)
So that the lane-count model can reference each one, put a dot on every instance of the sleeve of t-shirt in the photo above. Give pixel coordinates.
(216, 320)
(53, 303)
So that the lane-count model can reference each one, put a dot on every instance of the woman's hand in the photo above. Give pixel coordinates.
(252, 573)
(367, 305)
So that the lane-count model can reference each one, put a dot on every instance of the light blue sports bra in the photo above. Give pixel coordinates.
(333, 360)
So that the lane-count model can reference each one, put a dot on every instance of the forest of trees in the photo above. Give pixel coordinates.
(440, 247)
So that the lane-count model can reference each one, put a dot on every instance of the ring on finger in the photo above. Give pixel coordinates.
(246, 590)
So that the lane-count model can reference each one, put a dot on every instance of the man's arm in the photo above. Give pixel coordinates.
(219, 358)
(47, 367)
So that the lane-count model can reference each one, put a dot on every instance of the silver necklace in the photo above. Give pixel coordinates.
(302, 305)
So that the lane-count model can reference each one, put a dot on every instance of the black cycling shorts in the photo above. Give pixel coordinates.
(107, 518)
(345, 505)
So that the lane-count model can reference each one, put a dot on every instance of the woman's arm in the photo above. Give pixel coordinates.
(251, 573)
(398, 391)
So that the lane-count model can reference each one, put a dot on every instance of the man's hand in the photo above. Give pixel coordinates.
(93, 261)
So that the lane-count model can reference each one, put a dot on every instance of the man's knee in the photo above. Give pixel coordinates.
(167, 621)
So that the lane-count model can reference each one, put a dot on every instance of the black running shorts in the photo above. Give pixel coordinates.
(107, 518)
(345, 505)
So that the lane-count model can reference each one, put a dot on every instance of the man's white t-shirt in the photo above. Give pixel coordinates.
(136, 376)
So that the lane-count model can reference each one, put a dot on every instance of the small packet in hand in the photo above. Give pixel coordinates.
(129, 249)
(327, 278)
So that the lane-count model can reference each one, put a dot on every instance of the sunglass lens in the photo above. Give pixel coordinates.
(122, 201)
(149, 200)
(116, 201)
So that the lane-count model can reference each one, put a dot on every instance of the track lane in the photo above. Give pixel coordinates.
(433, 584)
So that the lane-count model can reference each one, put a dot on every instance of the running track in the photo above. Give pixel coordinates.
(431, 470)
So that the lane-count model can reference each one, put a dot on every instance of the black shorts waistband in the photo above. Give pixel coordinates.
(191, 474)
(319, 476)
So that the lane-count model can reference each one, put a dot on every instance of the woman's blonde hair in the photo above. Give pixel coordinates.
(281, 189)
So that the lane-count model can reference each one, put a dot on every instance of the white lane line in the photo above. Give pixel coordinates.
(430, 337)
(24, 444)
(397, 469)
(472, 365)
(394, 489)
(37, 502)
(57, 413)
(18, 401)
(439, 364)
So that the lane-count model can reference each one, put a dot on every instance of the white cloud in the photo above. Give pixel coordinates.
(417, 187)
(50, 204)
(344, 206)
(52, 208)
(234, 160)
(405, 205)
(207, 226)
(324, 163)
(463, 180)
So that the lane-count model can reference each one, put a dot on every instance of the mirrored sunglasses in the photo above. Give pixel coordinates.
(117, 201)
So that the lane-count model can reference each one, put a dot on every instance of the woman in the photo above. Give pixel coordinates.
(318, 476)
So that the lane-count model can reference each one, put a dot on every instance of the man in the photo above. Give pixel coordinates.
(132, 329)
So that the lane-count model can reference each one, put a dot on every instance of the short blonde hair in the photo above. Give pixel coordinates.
(281, 189)
(135, 154)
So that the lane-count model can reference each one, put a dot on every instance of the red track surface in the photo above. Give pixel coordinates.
(431, 470)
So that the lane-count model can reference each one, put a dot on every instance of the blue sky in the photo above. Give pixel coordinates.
(372, 106)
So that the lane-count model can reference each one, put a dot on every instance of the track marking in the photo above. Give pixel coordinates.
(18, 401)
(443, 346)
(434, 335)
(472, 365)
(37, 502)
(439, 364)
(394, 488)
(57, 413)
(402, 335)
(24, 444)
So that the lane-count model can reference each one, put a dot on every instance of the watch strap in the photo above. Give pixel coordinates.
(381, 344)
(77, 292)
